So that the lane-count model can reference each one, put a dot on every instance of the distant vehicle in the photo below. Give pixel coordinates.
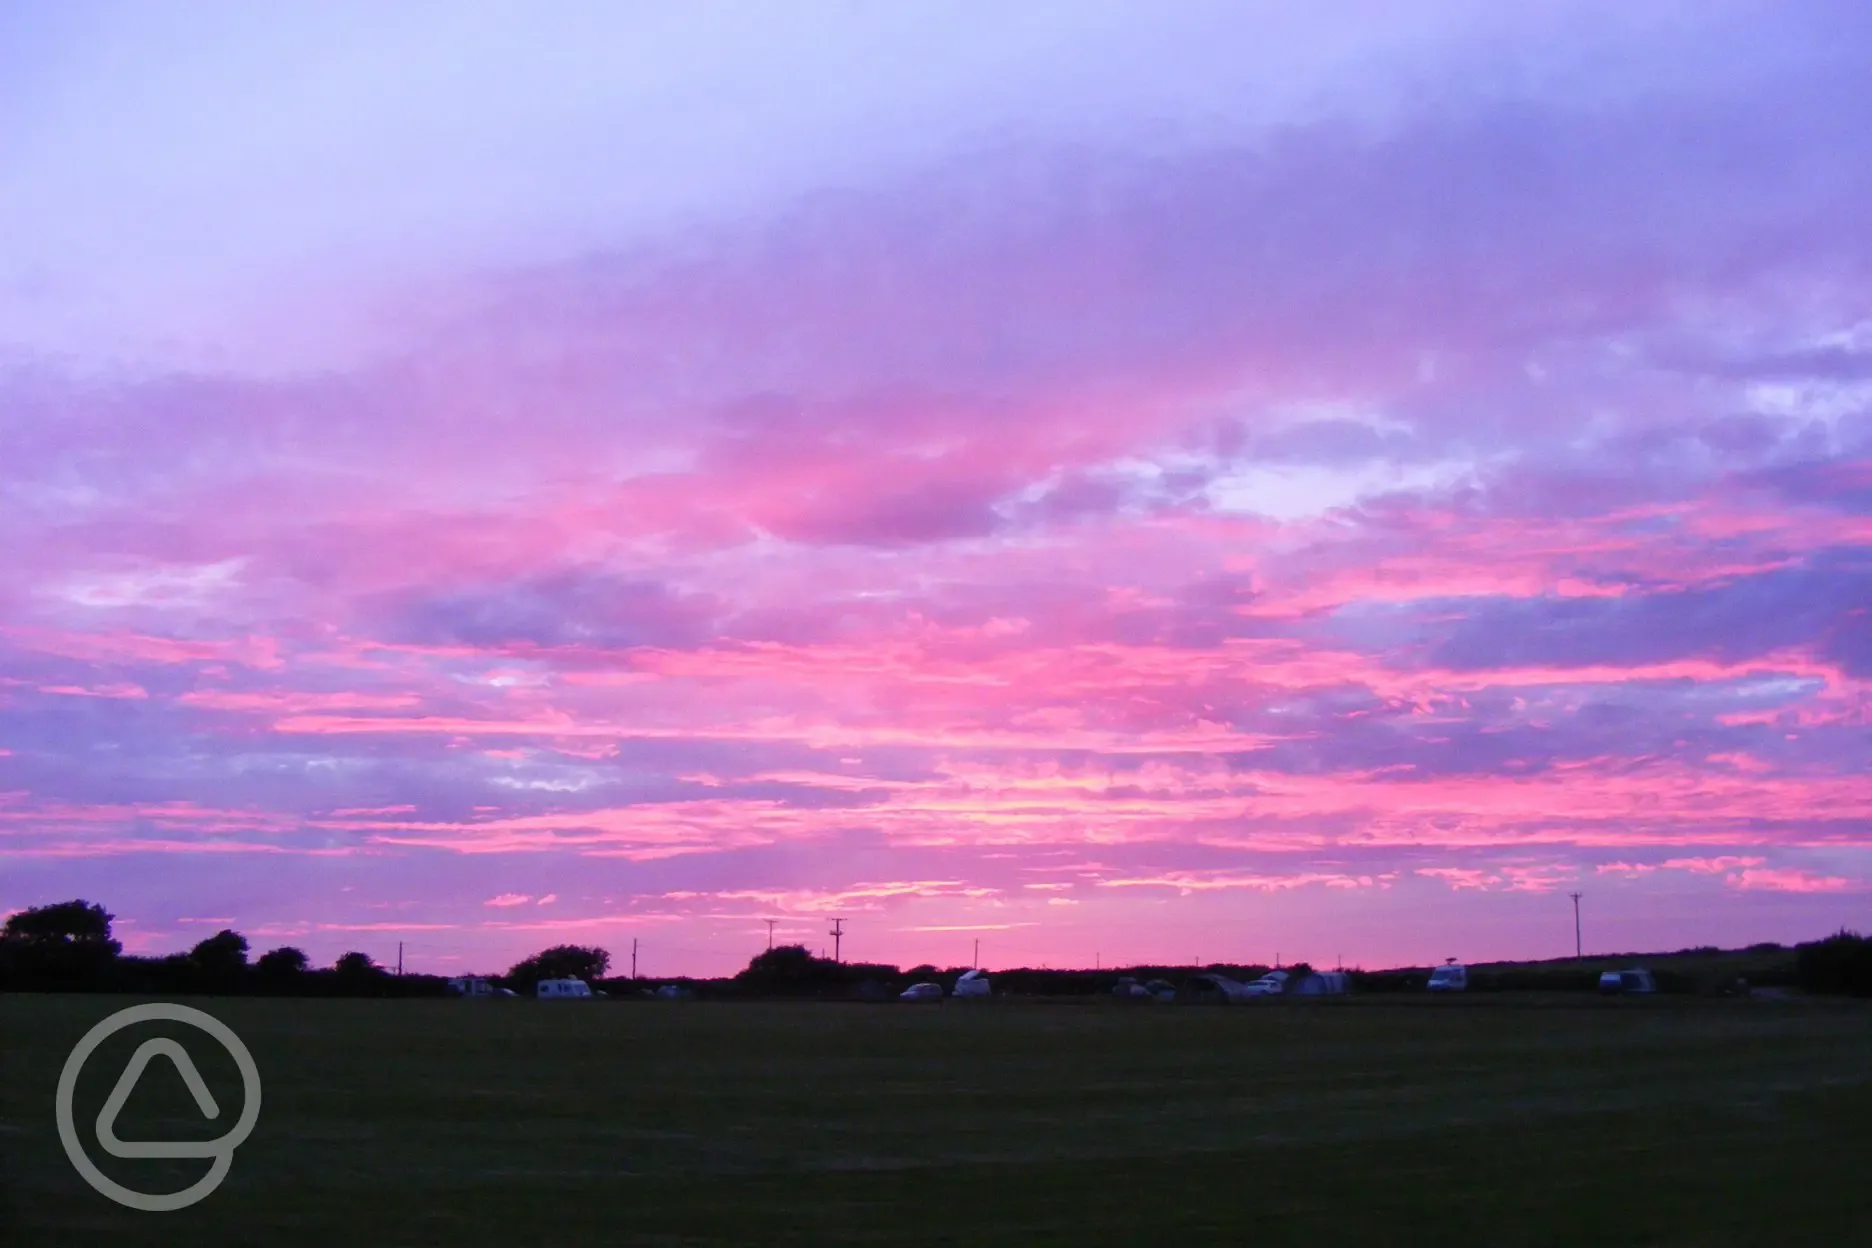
(1153, 990)
(1452, 976)
(1212, 987)
(1271, 984)
(972, 984)
(562, 989)
(674, 992)
(1321, 984)
(473, 986)
(921, 992)
(1635, 982)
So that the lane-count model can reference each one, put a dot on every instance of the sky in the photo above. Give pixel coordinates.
(1116, 482)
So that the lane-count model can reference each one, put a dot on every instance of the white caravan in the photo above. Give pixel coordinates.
(562, 989)
(972, 984)
(921, 992)
(1452, 976)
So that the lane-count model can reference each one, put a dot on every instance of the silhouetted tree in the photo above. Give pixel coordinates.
(586, 962)
(66, 944)
(282, 963)
(789, 970)
(65, 923)
(356, 965)
(222, 956)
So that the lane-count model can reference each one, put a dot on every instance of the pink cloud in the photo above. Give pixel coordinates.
(1711, 866)
(1789, 880)
(97, 691)
(869, 552)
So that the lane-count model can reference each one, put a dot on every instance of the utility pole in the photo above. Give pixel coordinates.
(1577, 946)
(976, 964)
(633, 957)
(769, 923)
(838, 936)
(399, 957)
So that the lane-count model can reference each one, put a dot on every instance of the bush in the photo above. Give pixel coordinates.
(793, 971)
(1840, 964)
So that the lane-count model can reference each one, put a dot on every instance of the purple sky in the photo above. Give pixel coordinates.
(1136, 481)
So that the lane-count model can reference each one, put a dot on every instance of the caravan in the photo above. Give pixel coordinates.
(562, 989)
(472, 986)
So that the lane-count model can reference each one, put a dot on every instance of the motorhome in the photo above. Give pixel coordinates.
(562, 989)
(972, 984)
(1452, 976)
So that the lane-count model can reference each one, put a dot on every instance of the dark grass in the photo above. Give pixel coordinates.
(1507, 1120)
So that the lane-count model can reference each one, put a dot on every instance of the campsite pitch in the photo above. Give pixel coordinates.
(1508, 1119)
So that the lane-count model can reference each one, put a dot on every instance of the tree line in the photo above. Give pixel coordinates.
(69, 946)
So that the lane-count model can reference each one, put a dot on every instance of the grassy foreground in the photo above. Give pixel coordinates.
(1485, 1121)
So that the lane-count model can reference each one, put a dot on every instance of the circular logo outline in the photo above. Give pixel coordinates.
(222, 1149)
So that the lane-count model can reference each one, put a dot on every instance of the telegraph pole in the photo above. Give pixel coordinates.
(633, 957)
(976, 964)
(399, 957)
(1576, 929)
(769, 923)
(838, 936)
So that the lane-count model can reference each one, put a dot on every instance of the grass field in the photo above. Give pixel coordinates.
(1408, 1120)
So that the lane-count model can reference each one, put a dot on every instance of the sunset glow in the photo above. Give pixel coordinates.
(1118, 483)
